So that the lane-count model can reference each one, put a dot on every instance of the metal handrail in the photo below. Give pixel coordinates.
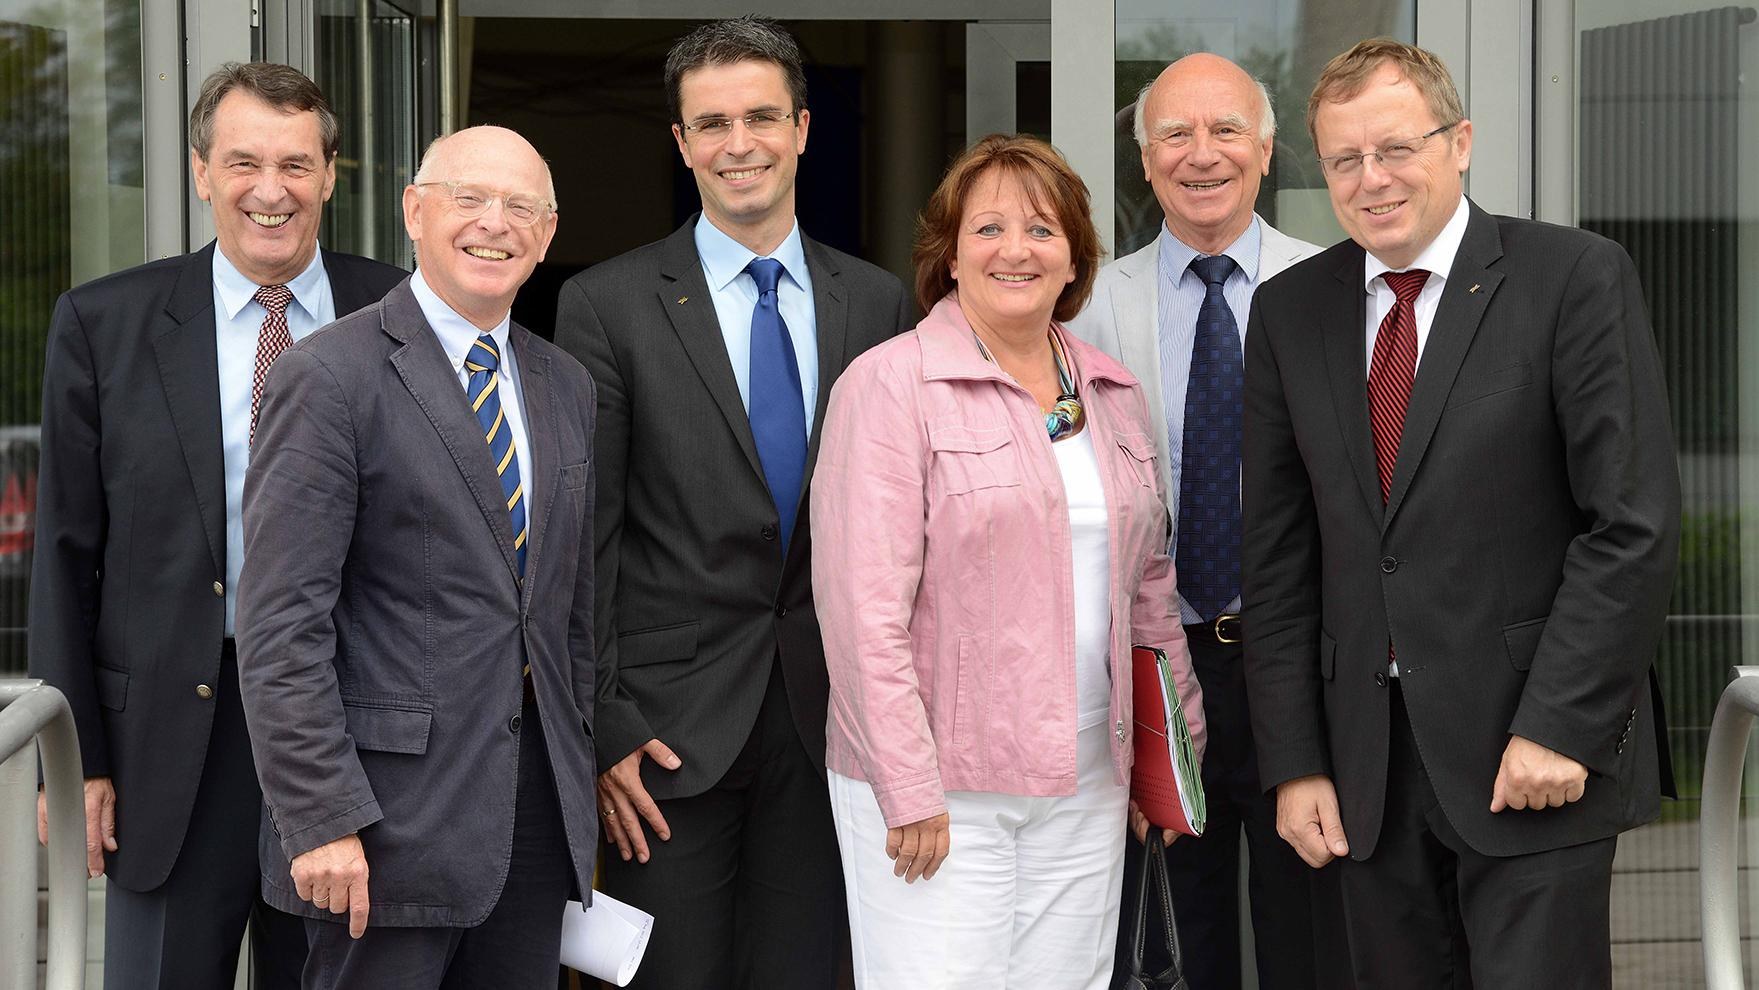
(1718, 829)
(30, 709)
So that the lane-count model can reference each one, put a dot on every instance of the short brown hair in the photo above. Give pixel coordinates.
(1048, 181)
(750, 38)
(1346, 75)
(280, 86)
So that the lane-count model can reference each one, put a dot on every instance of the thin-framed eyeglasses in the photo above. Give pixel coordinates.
(473, 201)
(1391, 156)
(758, 122)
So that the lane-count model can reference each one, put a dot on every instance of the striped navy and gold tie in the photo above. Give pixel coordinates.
(485, 398)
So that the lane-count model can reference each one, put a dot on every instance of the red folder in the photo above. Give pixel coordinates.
(1167, 782)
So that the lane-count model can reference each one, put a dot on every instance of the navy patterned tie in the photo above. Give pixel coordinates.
(485, 399)
(778, 417)
(1208, 554)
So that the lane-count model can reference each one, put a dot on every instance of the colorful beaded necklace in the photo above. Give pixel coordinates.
(1064, 418)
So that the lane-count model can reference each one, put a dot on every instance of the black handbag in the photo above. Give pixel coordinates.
(1154, 875)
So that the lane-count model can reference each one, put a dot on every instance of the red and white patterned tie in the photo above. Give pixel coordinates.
(271, 341)
(1392, 371)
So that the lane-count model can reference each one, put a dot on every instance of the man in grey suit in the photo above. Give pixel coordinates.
(149, 394)
(1463, 514)
(415, 616)
(714, 351)
(1174, 313)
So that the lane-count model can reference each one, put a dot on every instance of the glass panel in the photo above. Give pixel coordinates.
(366, 67)
(1665, 144)
(71, 74)
(1284, 43)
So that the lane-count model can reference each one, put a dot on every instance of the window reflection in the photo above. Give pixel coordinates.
(365, 66)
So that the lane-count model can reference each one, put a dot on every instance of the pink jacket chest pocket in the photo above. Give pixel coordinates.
(966, 459)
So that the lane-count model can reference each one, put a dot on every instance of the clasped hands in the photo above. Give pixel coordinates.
(1530, 777)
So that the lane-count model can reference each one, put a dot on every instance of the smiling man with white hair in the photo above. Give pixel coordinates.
(415, 625)
(1175, 314)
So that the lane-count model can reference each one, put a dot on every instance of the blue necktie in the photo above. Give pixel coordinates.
(778, 417)
(485, 399)
(1208, 554)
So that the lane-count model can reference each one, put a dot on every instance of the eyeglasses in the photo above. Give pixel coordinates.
(758, 122)
(1391, 156)
(473, 201)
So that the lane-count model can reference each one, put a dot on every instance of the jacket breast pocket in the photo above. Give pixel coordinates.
(1140, 453)
(387, 729)
(1468, 390)
(969, 459)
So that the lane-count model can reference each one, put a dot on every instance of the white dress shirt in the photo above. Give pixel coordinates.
(238, 319)
(735, 295)
(1437, 259)
(456, 335)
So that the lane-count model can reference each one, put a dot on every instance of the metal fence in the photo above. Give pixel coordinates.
(31, 710)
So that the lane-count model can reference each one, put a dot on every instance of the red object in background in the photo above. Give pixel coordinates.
(18, 515)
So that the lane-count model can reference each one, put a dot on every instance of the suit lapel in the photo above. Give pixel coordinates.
(1136, 314)
(422, 364)
(830, 310)
(1346, 362)
(1463, 301)
(536, 386)
(349, 294)
(685, 298)
(189, 361)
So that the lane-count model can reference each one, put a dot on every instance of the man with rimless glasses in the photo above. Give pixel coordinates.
(714, 351)
(1461, 526)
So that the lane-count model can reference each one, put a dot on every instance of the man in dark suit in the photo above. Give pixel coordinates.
(416, 608)
(149, 400)
(1462, 519)
(714, 351)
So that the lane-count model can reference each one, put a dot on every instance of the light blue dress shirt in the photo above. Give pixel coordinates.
(735, 295)
(238, 319)
(456, 335)
(1181, 296)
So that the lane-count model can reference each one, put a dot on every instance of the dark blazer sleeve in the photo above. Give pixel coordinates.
(1280, 570)
(619, 728)
(300, 497)
(72, 521)
(1612, 412)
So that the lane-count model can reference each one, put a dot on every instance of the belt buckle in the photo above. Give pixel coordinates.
(1229, 621)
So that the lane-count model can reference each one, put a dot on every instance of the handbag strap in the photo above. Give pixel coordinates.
(1157, 855)
(1141, 929)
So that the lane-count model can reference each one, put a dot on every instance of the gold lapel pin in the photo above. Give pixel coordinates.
(1474, 288)
(683, 299)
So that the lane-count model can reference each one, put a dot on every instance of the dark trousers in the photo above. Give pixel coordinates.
(185, 933)
(1205, 870)
(748, 893)
(1426, 910)
(517, 946)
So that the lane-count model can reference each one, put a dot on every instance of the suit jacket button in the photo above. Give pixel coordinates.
(781, 610)
(219, 590)
(1388, 565)
(1380, 678)
(514, 723)
(204, 692)
(768, 533)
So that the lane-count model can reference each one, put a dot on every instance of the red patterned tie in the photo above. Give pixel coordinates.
(271, 341)
(1391, 372)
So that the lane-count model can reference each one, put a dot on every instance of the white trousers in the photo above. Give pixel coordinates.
(1027, 898)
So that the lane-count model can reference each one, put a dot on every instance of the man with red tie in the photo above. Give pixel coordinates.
(151, 390)
(1461, 524)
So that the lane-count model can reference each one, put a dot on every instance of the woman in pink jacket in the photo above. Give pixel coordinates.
(988, 542)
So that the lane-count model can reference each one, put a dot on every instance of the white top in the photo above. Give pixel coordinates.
(238, 320)
(1091, 559)
(456, 335)
(1437, 259)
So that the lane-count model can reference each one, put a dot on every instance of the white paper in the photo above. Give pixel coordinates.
(606, 940)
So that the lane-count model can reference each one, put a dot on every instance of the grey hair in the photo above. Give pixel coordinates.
(425, 172)
(1266, 115)
(280, 86)
(737, 39)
